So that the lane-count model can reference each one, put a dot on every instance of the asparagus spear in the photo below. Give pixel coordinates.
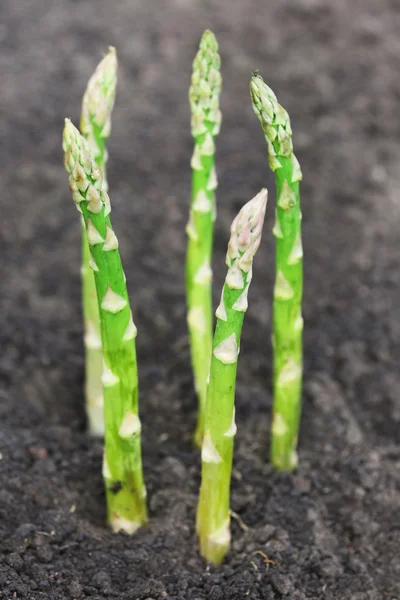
(97, 105)
(287, 321)
(122, 466)
(213, 516)
(205, 123)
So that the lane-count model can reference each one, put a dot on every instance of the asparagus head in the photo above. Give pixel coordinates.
(97, 105)
(122, 466)
(206, 119)
(287, 320)
(213, 515)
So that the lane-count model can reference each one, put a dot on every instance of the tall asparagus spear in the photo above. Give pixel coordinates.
(206, 120)
(213, 516)
(122, 466)
(97, 105)
(288, 321)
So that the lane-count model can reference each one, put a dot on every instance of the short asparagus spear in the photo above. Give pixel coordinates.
(97, 105)
(287, 321)
(206, 120)
(122, 466)
(213, 516)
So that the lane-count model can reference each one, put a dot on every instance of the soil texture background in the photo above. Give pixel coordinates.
(331, 530)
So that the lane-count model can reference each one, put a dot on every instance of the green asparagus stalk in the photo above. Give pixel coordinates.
(287, 320)
(205, 123)
(122, 466)
(97, 105)
(213, 515)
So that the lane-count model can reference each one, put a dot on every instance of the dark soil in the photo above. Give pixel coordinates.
(332, 529)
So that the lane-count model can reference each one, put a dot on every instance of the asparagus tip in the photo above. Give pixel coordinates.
(259, 90)
(247, 225)
(99, 97)
(208, 40)
(206, 87)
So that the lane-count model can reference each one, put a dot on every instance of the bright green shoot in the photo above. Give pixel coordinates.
(97, 106)
(206, 120)
(213, 516)
(122, 465)
(288, 321)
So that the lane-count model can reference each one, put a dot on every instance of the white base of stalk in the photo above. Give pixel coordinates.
(215, 546)
(122, 524)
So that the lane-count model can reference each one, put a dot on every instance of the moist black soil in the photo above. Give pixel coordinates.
(330, 530)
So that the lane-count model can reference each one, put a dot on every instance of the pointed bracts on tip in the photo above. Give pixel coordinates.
(275, 123)
(206, 87)
(85, 177)
(99, 98)
(246, 231)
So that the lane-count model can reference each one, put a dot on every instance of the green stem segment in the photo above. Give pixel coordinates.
(122, 466)
(213, 516)
(97, 105)
(205, 123)
(92, 342)
(288, 321)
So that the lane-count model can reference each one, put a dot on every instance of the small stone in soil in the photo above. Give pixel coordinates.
(44, 553)
(14, 561)
(281, 584)
(265, 533)
(101, 580)
(75, 590)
